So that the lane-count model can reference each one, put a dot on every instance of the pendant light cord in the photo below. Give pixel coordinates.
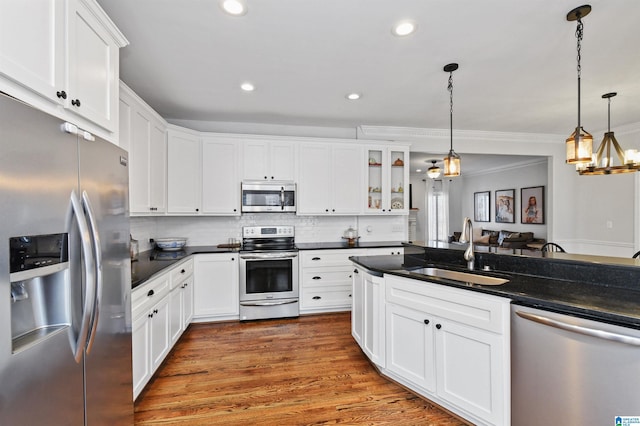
(450, 89)
(579, 33)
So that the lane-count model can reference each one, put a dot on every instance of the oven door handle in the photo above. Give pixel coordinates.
(270, 302)
(268, 256)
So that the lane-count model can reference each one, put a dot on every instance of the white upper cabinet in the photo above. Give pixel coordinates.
(387, 180)
(220, 177)
(183, 171)
(329, 179)
(143, 134)
(32, 45)
(77, 74)
(268, 160)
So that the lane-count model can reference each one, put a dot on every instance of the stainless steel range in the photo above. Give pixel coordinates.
(268, 273)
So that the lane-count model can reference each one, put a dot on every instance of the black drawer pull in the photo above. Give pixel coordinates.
(62, 94)
(76, 102)
(150, 315)
(151, 293)
(316, 278)
(155, 311)
(355, 271)
(315, 258)
(316, 297)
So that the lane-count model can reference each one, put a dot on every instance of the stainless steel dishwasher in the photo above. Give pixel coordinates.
(572, 371)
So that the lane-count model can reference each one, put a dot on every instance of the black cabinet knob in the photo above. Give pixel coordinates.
(355, 271)
(426, 321)
(438, 326)
(235, 210)
(233, 258)
(266, 177)
(150, 293)
(75, 102)
(61, 94)
(155, 311)
(150, 315)
(326, 210)
(183, 271)
(197, 210)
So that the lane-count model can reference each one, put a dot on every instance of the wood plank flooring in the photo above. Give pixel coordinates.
(304, 371)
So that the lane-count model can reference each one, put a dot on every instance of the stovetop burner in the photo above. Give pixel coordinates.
(268, 238)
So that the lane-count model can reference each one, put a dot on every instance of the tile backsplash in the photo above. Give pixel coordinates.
(212, 230)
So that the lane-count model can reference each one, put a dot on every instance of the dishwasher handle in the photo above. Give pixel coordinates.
(587, 331)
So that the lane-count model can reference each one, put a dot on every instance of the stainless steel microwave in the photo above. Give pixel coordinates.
(268, 196)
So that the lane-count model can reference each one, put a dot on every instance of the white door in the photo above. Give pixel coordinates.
(346, 191)
(141, 355)
(410, 346)
(314, 179)
(183, 173)
(216, 288)
(160, 339)
(175, 314)
(220, 183)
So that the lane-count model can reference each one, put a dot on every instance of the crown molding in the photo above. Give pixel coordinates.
(419, 133)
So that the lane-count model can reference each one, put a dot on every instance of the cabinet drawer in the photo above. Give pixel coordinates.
(144, 296)
(323, 258)
(326, 297)
(481, 311)
(181, 272)
(322, 277)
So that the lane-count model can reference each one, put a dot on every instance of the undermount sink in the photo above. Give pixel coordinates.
(464, 277)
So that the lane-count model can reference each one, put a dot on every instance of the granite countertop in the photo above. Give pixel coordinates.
(152, 262)
(620, 306)
(344, 245)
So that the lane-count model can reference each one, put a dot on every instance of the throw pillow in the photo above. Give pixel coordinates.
(483, 240)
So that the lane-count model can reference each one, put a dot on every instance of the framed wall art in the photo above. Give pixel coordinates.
(505, 205)
(532, 201)
(481, 203)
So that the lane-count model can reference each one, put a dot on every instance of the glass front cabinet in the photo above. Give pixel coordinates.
(387, 180)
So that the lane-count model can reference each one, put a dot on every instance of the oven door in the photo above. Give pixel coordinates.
(266, 276)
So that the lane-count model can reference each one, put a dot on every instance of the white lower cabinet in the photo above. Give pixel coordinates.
(216, 289)
(161, 309)
(367, 314)
(326, 277)
(150, 334)
(449, 345)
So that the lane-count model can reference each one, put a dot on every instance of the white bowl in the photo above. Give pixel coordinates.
(170, 244)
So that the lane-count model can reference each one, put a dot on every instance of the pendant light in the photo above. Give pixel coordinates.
(580, 143)
(434, 171)
(602, 163)
(452, 160)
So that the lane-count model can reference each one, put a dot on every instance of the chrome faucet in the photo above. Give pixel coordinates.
(467, 236)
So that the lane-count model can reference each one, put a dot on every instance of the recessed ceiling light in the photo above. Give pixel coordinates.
(404, 28)
(353, 96)
(418, 170)
(234, 7)
(247, 87)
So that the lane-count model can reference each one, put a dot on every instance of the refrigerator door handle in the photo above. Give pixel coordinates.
(95, 314)
(89, 275)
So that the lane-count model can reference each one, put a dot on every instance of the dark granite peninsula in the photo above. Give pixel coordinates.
(593, 287)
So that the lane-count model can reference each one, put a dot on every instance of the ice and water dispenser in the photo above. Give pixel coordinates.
(39, 267)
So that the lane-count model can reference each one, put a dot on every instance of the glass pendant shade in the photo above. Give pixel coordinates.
(579, 149)
(452, 164)
(434, 171)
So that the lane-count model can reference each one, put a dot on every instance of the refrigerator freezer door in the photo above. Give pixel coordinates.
(40, 383)
(104, 177)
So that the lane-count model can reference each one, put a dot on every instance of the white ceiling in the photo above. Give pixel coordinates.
(517, 62)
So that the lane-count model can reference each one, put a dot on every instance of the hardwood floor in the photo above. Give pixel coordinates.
(305, 371)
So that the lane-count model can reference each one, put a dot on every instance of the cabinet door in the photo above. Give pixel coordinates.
(357, 307)
(314, 179)
(32, 45)
(175, 314)
(398, 195)
(346, 190)
(220, 182)
(92, 67)
(160, 339)
(374, 319)
(410, 346)
(187, 302)
(183, 172)
(216, 287)
(282, 160)
(376, 176)
(470, 365)
(141, 352)
(255, 160)
(158, 168)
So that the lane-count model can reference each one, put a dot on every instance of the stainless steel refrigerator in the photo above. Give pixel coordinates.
(65, 310)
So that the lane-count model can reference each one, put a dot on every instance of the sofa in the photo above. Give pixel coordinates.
(502, 239)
